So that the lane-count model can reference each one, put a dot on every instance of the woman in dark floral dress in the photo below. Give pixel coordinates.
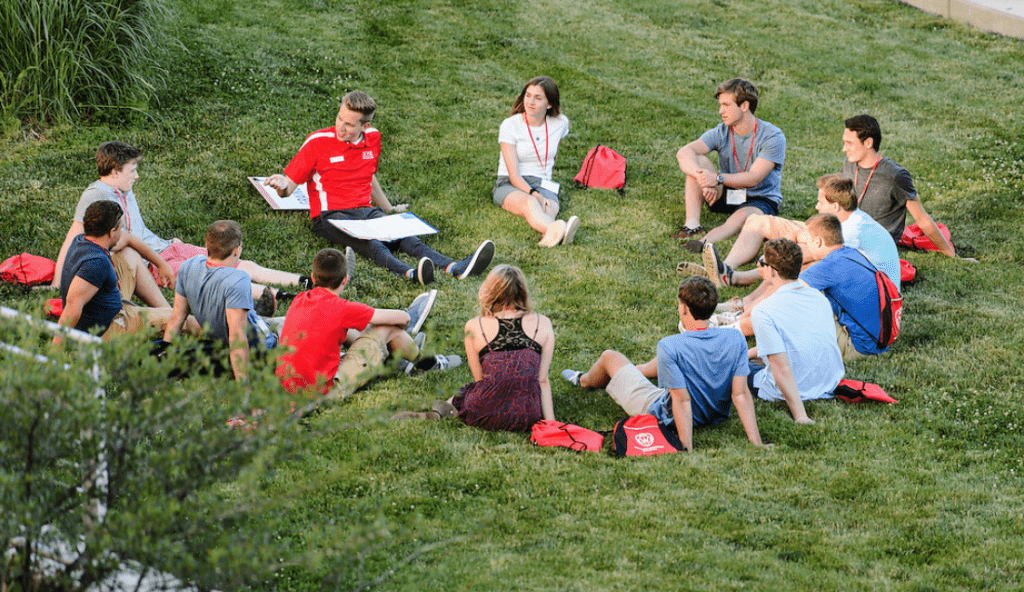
(509, 349)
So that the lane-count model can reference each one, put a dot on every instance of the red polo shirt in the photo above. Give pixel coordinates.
(337, 174)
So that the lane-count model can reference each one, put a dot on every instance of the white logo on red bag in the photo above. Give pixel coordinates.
(368, 155)
(644, 439)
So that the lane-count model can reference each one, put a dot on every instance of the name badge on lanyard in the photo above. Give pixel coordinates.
(735, 197)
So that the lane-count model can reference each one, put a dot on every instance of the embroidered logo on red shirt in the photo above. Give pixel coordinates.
(368, 155)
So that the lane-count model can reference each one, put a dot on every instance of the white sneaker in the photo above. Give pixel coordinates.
(571, 225)
(554, 234)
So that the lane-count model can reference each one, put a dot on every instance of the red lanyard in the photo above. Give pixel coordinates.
(124, 208)
(732, 139)
(543, 163)
(856, 175)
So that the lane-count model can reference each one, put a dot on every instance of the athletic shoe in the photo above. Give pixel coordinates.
(687, 232)
(305, 283)
(475, 263)
(554, 235)
(718, 272)
(694, 246)
(438, 362)
(419, 339)
(734, 304)
(572, 376)
(350, 262)
(571, 225)
(283, 296)
(266, 306)
(689, 269)
(445, 409)
(419, 309)
(424, 272)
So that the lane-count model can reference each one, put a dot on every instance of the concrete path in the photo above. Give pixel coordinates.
(1005, 17)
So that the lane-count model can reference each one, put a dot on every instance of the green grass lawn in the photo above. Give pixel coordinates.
(923, 495)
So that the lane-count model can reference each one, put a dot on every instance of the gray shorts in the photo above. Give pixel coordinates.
(633, 391)
(503, 187)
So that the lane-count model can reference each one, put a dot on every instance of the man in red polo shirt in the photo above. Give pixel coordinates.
(339, 165)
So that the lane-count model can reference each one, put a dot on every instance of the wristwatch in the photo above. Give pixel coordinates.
(721, 179)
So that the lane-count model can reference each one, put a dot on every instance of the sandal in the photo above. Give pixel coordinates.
(686, 232)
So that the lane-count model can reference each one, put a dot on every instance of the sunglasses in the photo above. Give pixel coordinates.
(762, 263)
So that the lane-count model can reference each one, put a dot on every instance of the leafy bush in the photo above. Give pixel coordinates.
(130, 467)
(70, 58)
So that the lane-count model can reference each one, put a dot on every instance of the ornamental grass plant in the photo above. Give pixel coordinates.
(921, 495)
(64, 60)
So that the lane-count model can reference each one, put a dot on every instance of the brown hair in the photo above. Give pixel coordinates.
(223, 237)
(101, 217)
(700, 296)
(865, 126)
(504, 288)
(785, 257)
(839, 190)
(742, 89)
(550, 93)
(112, 156)
(826, 227)
(360, 102)
(329, 268)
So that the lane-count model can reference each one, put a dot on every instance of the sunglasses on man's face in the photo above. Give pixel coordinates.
(762, 263)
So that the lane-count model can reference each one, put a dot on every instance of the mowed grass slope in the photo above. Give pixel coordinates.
(923, 495)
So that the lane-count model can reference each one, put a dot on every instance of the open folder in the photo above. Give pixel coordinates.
(298, 200)
(388, 228)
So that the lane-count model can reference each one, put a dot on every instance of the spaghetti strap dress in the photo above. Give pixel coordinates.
(508, 397)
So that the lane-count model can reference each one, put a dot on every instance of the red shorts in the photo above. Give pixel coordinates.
(175, 255)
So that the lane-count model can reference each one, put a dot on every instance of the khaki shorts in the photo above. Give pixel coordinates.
(125, 275)
(633, 391)
(133, 319)
(845, 343)
(127, 322)
(363, 361)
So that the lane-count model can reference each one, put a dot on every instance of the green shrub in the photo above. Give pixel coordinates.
(178, 483)
(63, 59)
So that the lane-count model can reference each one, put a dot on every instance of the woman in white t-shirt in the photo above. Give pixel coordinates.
(529, 144)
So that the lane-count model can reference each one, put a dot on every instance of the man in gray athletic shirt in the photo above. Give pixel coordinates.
(884, 189)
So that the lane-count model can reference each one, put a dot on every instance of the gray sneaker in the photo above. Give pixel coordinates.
(572, 376)
(419, 309)
(438, 362)
(350, 262)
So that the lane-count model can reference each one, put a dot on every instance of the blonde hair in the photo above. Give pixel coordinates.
(504, 289)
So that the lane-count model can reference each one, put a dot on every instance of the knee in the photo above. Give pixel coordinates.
(756, 223)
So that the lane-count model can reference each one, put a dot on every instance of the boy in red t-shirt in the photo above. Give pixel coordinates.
(320, 323)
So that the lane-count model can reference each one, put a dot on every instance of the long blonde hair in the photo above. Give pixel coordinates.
(504, 289)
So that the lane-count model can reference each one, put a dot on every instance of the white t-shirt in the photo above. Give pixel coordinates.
(533, 144)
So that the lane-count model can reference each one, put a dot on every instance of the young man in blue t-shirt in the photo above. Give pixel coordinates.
(701, 372)
(747, 181)
(89, 291)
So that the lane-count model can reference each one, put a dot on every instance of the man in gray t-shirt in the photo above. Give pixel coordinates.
(884, 189)
(751, 153)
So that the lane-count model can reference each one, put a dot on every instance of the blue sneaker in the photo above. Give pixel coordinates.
(475, 263)
(419, 309)
(572, 376)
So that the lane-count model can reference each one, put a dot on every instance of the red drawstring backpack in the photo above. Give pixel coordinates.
(907, 272)
(914, 238)
(27, 269)
(644, 435)
(603, 168)
(547, 432)
(858, 391)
